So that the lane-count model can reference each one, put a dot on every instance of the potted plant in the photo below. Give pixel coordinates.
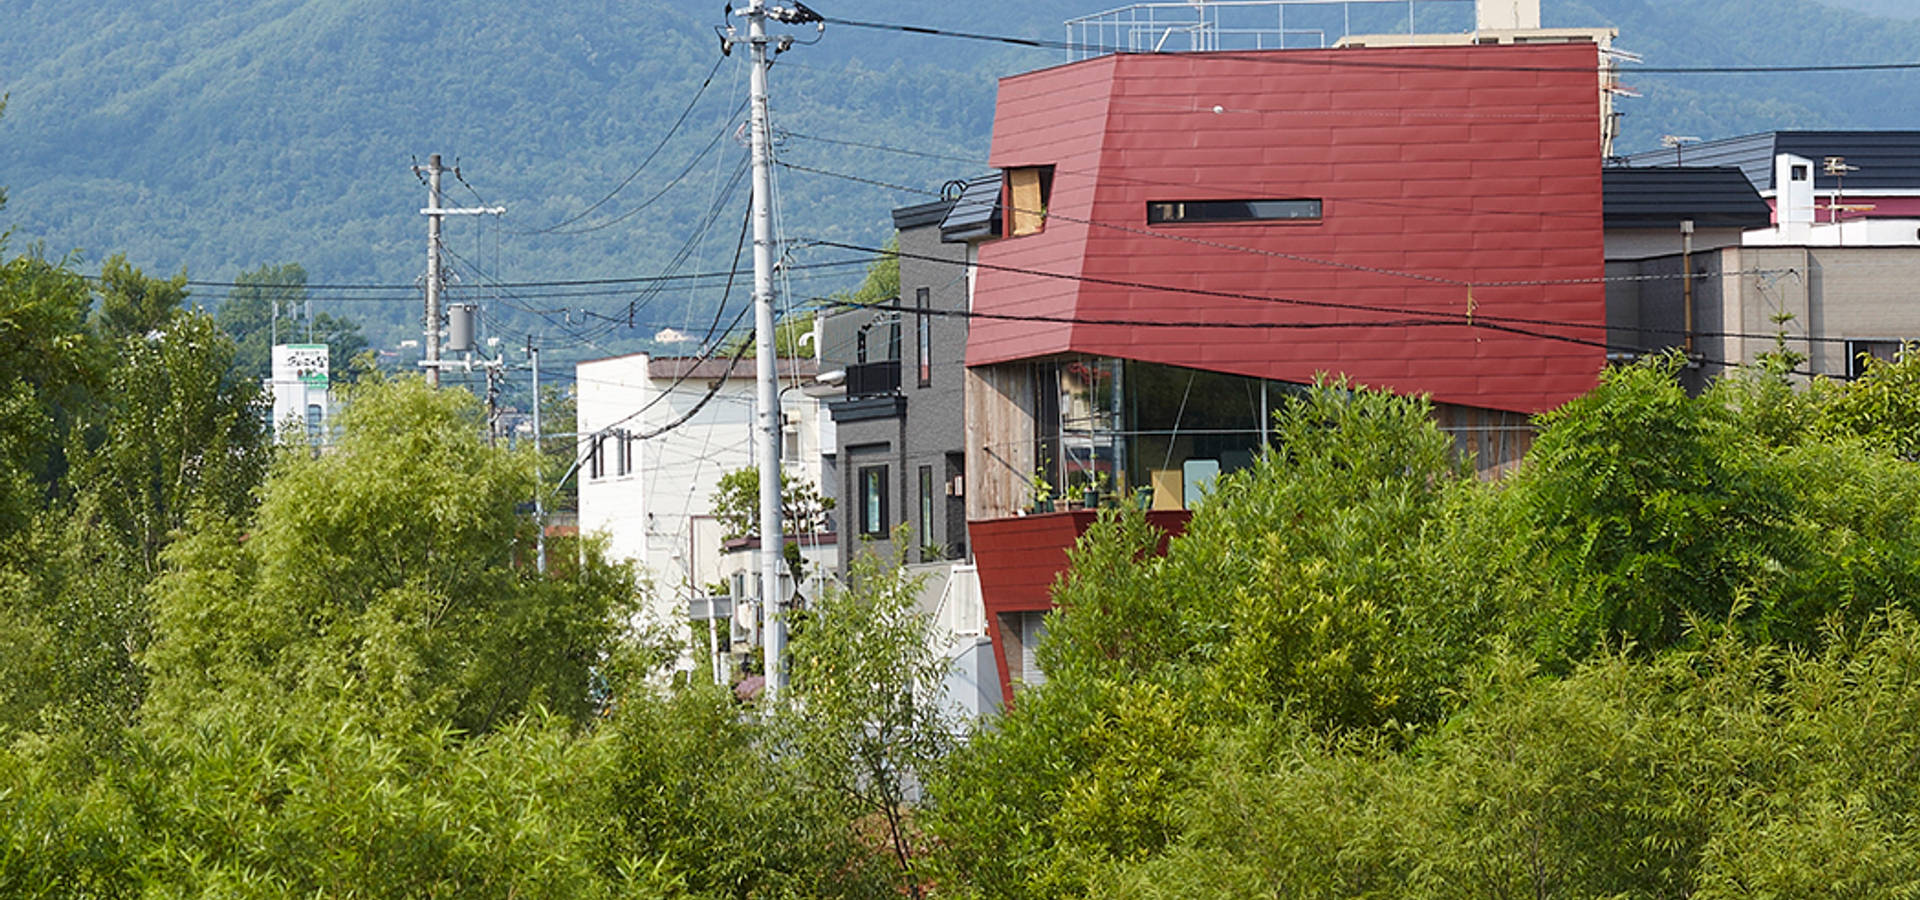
(1042, 492)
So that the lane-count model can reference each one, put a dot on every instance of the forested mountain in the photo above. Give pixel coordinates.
(216, 138)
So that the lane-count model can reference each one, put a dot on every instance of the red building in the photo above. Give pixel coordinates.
(1189, 238)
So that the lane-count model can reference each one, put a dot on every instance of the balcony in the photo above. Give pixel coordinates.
(873, 379)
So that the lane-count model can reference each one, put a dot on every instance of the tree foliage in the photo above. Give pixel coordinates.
(1360, 674)
(1673, 655)
(386, 574)
(866, 721)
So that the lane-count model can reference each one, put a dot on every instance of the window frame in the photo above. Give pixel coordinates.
(872, 495)
(923, 334)
(1858, 347)
(926, 512)
(1224, 212)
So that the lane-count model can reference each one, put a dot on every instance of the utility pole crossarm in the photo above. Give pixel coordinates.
(434, 211)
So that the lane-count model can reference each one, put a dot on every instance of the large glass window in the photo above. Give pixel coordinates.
(1112, 426)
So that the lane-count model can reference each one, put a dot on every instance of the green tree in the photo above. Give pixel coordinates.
(699, 789)
(1646, 511)
(133, 304)
(390, 574)
(50, 363)
(736, 505)
(864, 717)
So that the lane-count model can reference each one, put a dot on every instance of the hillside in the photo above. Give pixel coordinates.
(218, 137)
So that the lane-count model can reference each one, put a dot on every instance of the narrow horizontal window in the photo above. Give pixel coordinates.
(1163, 212)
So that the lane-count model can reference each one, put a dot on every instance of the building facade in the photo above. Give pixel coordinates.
(1804, 240)
(901, 454)
(656, 435)
(1191, 239)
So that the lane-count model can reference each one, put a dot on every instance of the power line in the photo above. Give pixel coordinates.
(584, 229)
(235, 288)
(1292, 257)
(1143, 232)
(1407, 317)
(1135, 179)
(671, 131)
(1332, 60)
(1438, 320)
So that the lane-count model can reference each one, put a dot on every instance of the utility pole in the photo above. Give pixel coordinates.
(539, 504)
(434, 211)
(767, 426)
(772, 541)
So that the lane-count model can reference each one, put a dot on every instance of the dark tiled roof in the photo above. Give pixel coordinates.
(921, 214)
(708, 369)
(1716, 197)
(1888, 160)
(976, 214)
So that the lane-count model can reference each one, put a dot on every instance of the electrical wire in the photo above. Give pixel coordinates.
(609, 223)
(1515, 325)
(1465, 319)
(1292, 257)
(642, 167)
(1331, 59)
(1439, 320)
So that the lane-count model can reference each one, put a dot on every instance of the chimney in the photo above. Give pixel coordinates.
(1792, 190)
(1508, 15)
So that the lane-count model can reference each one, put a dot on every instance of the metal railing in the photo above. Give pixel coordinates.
(873, 379)
(1201, 25)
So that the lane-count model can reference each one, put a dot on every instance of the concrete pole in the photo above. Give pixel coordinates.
(539, 457)
(772, 541)
(433, 270)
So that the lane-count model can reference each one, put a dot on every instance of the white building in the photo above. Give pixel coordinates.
(299, 389)
(656, 435)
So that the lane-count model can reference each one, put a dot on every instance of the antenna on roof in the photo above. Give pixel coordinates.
(1678, 142)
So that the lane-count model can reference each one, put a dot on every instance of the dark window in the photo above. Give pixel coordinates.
(926, 513)
(923, 332)
(1171, 211)
(623, 453)
(1800, 173)
(1859, 352)
(873, 501)
(597, 457)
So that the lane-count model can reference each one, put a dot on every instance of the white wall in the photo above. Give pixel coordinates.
(649, 513)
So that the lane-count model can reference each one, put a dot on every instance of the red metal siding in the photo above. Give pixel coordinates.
(1019, 557)
(1439, 168)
